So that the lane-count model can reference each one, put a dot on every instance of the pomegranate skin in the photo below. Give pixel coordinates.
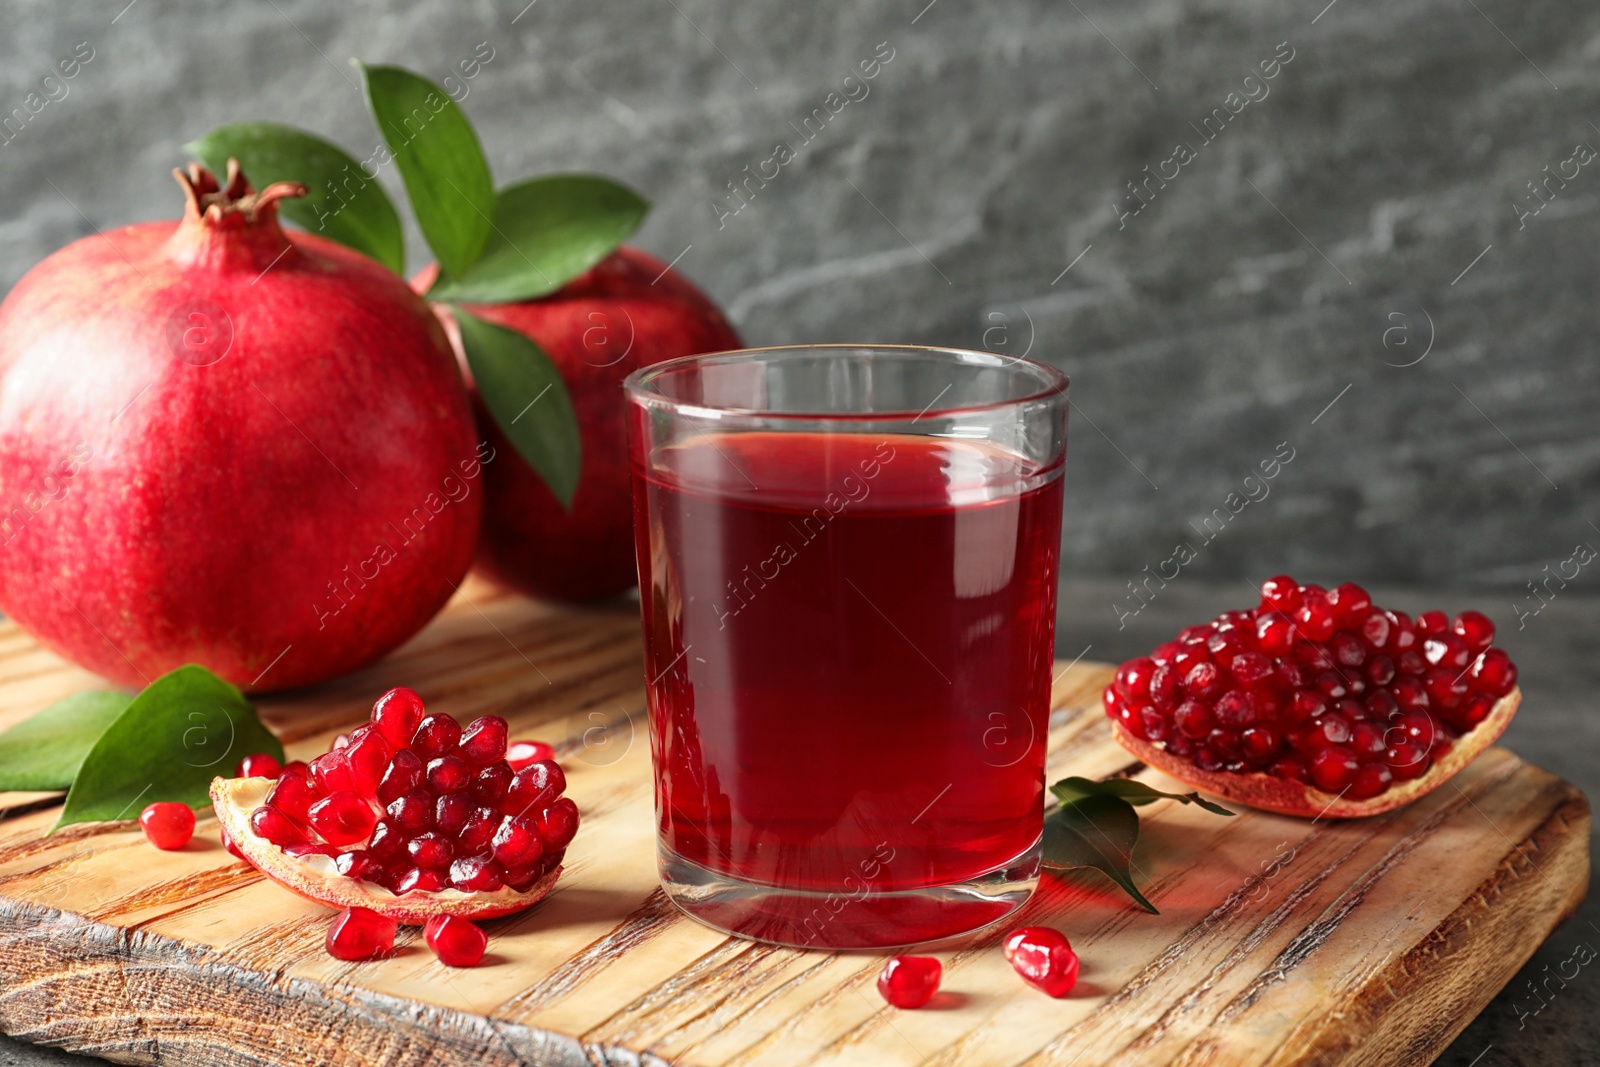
(227, 445)
(597, 329)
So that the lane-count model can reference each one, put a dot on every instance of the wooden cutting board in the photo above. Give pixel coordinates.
(1280, 941)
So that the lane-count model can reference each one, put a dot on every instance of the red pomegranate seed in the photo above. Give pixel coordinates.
(1494, 673)
(1375, 629)
(1235, 709)
(478, 832)
(436, 736)
(1314, 618)
(297, 766)
(910, 981)
(292, 795)
(1350, 605)
(1446, 650)
(522, 878)
(421, 880)
(412, 813)
(535, 786)
(360, 865)
(1447, 687)
(476, 874)
(1475, 629)
(397, 714)
(1280, 594)
(1193, 719)
(449, 774)
(558, 823)
(1044, 958)
(257, 765)
(493, 782)
(1333, 768)
(1204, 681)
(167, 824)
(1260, 743)
(367, 756)
(1407, 760)
(388, 842)
(517, 842)
(360, 934)
(484, 740)
(1369, 781)
(343, 818)
(451, 812)
(273, 825)
(523, 753)
(456, 941)
(431, 850)
(406, 772)
(1133, 678)
(1402, 632)
(1432, 622)
(331, 772)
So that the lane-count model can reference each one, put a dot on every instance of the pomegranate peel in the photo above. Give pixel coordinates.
(1290, 797)
(316, 877)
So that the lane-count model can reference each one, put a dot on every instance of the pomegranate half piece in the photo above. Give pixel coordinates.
(409, 816)
(1316, 702)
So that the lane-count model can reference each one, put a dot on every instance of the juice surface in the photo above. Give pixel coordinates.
(850, 643)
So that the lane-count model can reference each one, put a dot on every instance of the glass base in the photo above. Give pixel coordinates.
(869, 919)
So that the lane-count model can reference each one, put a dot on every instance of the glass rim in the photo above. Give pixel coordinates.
(637, 385)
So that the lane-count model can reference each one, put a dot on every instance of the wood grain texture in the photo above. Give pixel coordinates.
(1281, 941)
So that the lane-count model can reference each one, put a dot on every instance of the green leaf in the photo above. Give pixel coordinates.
(1072, 789)
(344, 204)
(546, 232)
(186, 728)
(1098, 832)
(44, 752)
(529, 401)
(440, 161)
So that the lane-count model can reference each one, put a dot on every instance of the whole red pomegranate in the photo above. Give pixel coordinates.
(628, 311)
(228, 445)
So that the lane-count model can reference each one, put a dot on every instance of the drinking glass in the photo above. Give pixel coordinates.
(847, 572)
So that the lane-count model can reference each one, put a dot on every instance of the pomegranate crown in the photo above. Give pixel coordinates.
(217, 203)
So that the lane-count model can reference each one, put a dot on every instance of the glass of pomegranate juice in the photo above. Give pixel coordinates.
(847, 571)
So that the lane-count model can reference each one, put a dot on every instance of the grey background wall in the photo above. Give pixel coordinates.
(1360, 211)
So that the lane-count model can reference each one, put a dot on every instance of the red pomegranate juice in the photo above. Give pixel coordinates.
(849, 640)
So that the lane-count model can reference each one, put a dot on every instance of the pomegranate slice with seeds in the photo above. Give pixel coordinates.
(1317, 702)
(411, 817)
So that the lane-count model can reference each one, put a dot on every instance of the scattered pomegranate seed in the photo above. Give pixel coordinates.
(456, 941)
(257, 765)
(910, 981)
(167, 824)
(360, 934)
(522, 753)
(1319, 686)
(1044, 958)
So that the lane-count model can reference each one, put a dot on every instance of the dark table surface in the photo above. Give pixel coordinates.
(1558, 728)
